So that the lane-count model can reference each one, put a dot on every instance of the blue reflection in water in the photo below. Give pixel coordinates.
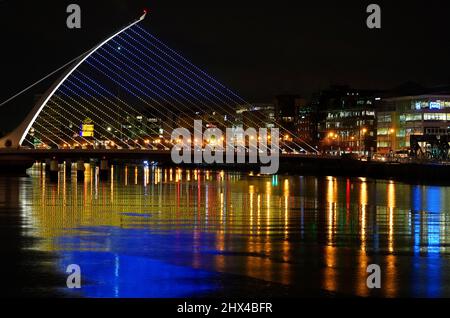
(431, 262)
(434, 199)
(138, 215)
(127, 269)
(416, 210)
(434, 268)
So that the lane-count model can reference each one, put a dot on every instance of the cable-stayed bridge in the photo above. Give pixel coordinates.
(123, 99)
(129, 93)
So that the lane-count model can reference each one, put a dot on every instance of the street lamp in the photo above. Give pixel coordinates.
(333, 137)
(362, 133)
(392, 137)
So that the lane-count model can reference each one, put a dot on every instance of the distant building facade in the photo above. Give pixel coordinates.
(401, 117)
(287, 109)
(347, 120)
(257, 115)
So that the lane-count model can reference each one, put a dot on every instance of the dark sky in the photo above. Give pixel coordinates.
(258, 49)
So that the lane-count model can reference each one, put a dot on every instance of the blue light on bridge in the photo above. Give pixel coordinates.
(275, 180)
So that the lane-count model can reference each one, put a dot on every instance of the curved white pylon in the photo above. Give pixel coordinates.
(15, 138)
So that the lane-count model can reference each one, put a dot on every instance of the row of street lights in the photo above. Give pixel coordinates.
(333, 136)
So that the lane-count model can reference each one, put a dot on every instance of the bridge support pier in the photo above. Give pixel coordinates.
(54, 169)
(80, 170)
(104, 169)
(68, 167)
(47, 165)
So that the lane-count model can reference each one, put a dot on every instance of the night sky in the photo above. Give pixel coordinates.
(257, 49)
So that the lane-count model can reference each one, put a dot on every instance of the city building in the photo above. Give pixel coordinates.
(287, 109)
(401, 117)
(346, 120)
(257, 115)
(307, 127)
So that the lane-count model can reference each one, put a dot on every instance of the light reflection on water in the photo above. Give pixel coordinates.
(153, 232)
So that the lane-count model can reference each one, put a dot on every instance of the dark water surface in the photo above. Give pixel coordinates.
(153, 232)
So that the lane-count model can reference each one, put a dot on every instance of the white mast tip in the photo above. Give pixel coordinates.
(143, 16)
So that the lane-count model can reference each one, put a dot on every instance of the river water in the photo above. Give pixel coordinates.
(161, 232)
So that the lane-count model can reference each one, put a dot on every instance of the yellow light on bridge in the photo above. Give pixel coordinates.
(87, 128)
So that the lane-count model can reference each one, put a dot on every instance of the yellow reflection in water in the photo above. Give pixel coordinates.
(330, 271)
(146, 176)
(363, 207)
(268, 194)
(361, 282)
(243, 210)
(391, 268)
(391, 207)
(331, 207)
(251, 193)
(179, 175)
(112, 183)
(286, 207)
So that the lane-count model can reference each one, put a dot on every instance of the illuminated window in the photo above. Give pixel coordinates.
(384, 118)
(383, 144)
(401, 133)
(435, 116)
(417, 105)
(413, 117)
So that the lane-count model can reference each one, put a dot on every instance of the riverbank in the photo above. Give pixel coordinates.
(429, 173)
(18, 161)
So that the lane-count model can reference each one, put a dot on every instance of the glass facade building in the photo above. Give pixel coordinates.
(400, 117)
